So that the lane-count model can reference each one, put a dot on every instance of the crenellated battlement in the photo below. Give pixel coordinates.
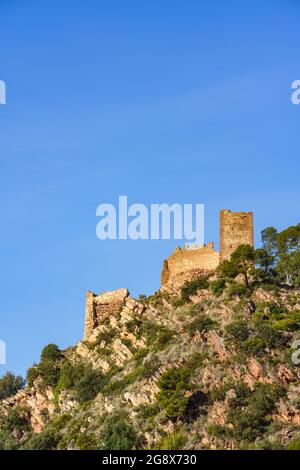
(236, 228)
(189, 262)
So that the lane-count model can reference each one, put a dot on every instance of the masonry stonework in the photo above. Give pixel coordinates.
(187, 263)
(98, 307)
(236, 228)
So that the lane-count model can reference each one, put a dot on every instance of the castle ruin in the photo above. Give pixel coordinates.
(98, 307)
(236, 228)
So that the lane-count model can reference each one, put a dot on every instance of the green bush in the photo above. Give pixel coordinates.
(174, 441)
(32, 374)
(240, 388)
(16, 419)
(158, 336)
(191, 287)
(238, 330)
(128, 343)
(294, 444)
(164, 336)
(237, 290)
(46, 440)
(290, 323)
(51, 353)
(217, 287)
(151, 366)
(8, 442)
(118, 434)
(271, 337)
(255, 345)
(49, 371)
(250, 414)
(86, 441)
(117, 386)
(134, 326)
(89, 385)
(201, 323)
(195, 360)
(49, 367)
(10, 384)
(85, 381)
(177, 301)
(173, 385)
(107, 336)
(140, 354)
(148, 411)
(218, 431)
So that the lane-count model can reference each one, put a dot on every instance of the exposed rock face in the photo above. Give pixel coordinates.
(36, 399)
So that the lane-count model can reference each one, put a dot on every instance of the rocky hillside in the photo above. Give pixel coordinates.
(207, 367)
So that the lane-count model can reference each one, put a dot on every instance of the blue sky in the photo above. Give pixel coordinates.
(164, 101)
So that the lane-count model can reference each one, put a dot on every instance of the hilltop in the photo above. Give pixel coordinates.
(205, 366)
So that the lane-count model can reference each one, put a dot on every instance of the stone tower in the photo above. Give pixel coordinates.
(98, 307)
(236, 228)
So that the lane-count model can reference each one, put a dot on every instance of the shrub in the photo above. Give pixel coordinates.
(173, 385)
(150, 367)
(201, 323)
(118, 433)
(196, 360)
(218, 286)
(83, 379)
(272, 337)
(128, 343)
(191, 287)
(237, 290)
(255, 345)
(164, 337)
(32, 374)
(134, 326)
(10, 384)
(106, 335)
(238, 330)
(287, 324)
(250, 416)
(148, 411)
(46, 440)
(86, 441)
(241, 391)
(16, 419)
(140, 354)
(174, 441)
(117, 386)
(177, 301)
(218, 431)
(157, 335)
(7, 442)
(294, 444)
(89, 385)
(51, 353)
(49, 371)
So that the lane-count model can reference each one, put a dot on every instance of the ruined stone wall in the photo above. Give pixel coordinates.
(185, 264)
(236, 228)
(100, 306)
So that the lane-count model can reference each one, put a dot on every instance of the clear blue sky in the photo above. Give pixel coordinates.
(164, 101)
